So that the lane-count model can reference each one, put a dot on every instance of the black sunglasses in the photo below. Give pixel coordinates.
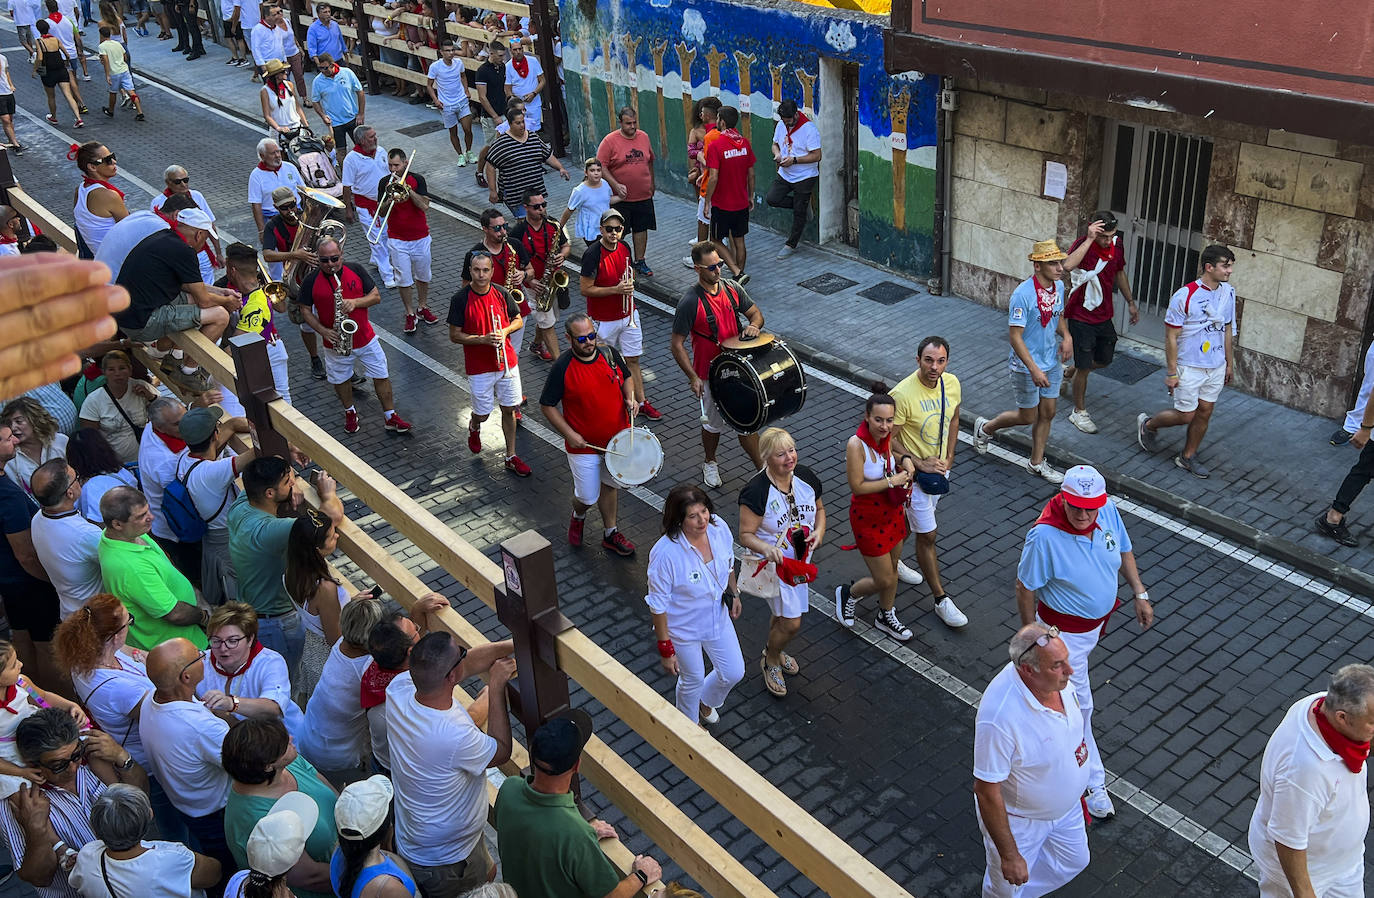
(715, 267)
(107, 160)
(330, 258)
(181, 180)
(60, 766)
(130, 621)
(589, 338)
(612, 229)
(200, 656)
(462, 653)
(536, 205)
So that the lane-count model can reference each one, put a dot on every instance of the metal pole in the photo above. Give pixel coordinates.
(556, 113)
(255, 388)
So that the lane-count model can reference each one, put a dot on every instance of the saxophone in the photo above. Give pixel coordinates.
(344, 327)
(555, 279)
(512, 265)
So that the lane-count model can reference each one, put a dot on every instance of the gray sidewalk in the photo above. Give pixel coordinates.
(1272, 468)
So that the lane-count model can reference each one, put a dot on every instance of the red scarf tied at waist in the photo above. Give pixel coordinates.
(372, 691)
(1351, 752)
(229, 677)
(521, 66)
(1054, 515)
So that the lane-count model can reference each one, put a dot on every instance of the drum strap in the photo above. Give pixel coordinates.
(704, 300)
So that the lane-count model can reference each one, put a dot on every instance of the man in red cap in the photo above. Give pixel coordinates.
(1067, 578)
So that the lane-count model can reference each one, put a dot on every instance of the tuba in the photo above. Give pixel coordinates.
(344, 327)
(555, 278)
(314, 225)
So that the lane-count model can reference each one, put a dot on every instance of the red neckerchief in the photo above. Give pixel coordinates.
(371, 155)
(521, 66)
(168, 193)
(87, 182)
(176, 444)
(280, 87)
(1045, 301)
(1056, 517)
(172, 223)
(372, 691)
(263, 165)
(12, 692)
(229, 677)
(55, 17)
(732, 133)
(801, 120)
(5, 238)
(884, 449)
(1352, 753)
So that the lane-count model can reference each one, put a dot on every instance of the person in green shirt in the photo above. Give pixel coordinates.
(546, 848)
(159, 598)
(260, 522)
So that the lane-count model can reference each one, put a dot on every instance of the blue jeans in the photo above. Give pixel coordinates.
(207, 837)
(284, 635)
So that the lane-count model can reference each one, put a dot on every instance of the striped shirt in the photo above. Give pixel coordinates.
(70, 815)
(521, 165)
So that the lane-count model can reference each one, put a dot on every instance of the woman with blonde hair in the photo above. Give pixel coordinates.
(782, 521)
(119, 407)
(39, 439)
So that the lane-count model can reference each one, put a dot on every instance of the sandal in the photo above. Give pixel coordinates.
(772, 678)
(789, 665)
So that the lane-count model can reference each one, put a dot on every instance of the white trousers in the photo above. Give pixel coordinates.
(1080, 645)
(1352, 417)
(276, 354)
(1055, 852)
(381, 255)
(1273, 884)
(695, 687)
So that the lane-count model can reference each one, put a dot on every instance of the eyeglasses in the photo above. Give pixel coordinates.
(129, 622)
(589, 338)
(107, 160)
(76, 756)
(536, 205)
(229, 642)
(1042, 640)
(200, 656)
(462, 653)
(715, 267)
(497, 227)
(330, 258)
(613, 229)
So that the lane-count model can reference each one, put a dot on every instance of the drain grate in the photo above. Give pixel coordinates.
(1128, 369)
(826, 284)
(887, 292)
(428, 127)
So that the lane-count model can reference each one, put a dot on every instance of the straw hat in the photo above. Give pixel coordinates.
(274, 67)
(1047, 251)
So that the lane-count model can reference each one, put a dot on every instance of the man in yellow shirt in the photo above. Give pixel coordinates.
(115, 59)
(927, 430)
(241, 273)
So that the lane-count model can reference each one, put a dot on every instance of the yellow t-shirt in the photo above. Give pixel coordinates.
(918, 414)
(256, 317)
(113, 50)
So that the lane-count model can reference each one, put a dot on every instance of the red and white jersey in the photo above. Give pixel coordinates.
(317, 291)
(483, 313)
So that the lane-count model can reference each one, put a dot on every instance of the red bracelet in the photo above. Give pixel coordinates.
(665, 648)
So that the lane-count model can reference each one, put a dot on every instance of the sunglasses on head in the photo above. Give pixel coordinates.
(330, 258)
(181, 180)
(1042, 640)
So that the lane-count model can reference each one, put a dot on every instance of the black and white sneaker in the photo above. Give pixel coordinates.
(844, 606)
(888, 623)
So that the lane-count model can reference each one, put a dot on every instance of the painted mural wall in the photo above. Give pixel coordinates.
(659, 56)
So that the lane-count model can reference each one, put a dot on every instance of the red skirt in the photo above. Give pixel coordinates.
(878, 526)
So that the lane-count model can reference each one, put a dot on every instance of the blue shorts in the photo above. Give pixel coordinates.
(122, 81)
(137, 6)
(1027, 394)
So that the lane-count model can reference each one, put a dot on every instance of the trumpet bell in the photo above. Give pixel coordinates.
(275, 292)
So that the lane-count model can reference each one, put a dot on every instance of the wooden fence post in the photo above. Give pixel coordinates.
(254, 386)
(545, 24)
(362, 24)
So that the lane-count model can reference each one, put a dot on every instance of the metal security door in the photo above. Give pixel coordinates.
(1156, 183)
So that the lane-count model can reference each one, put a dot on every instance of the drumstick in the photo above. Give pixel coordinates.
(703, 419)
(607, 451)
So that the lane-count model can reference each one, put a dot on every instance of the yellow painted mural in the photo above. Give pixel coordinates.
(875, 7)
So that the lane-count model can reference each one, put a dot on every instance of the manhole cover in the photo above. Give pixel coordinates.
(826, 284)
(428, 127)
(887, 292)
(1128, 369)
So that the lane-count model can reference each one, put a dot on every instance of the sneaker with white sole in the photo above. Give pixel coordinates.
(981, 437)
(1044, 470)
(887, 622)
(949, 613)
(845, 603)
(712, 717)
(710, 474)
(909, 575)
(1100, 803)
(1082, 421)
(1147, 438)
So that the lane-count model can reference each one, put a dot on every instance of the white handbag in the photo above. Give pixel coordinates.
(764, 583)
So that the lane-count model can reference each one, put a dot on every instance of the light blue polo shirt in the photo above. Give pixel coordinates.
(1024, 312)
(1076, 574)
(339, 96)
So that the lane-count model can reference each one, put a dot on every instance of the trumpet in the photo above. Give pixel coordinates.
(500, 347)
(344, 327)
(555, 278)
(627, 298)
(394, 192)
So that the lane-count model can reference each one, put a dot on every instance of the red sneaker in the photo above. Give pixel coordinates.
(649, 411)
(396, 424)
(350, 421)
(410, 324)
(618, 544)
(518, 467)
(427, 316)
(475, 440)
(519, 416)
(542, 353)
(575, 531)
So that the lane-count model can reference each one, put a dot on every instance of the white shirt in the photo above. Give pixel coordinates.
(183, 742)
(249, 14)
(126, 234)
(335, 733)
(1037, 754)
(261, 183)
(803, 140)
(20, 468)
(211, 486)
(266, 677)
(155, 466)
(112, 696)
(24, 12)
(5, 91)
(283, 110)
(65, 32)
(438, 767)
(163, 871)
(88, 503)
(100, 407)
(195, 195)
(1310, 801)
(266, 43)
(528, 84)
(288, 41)
(66, 547)
(1201, 317)
(362, 173)
(448, 82)
(687, 588)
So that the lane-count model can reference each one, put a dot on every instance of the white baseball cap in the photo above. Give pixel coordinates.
(1084, 487)
(196, 218)
(362, 807)
(279, 838)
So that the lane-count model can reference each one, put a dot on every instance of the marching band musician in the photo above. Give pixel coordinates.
(510, 270)
(407, 237)
(540, 237)
(241, 270)
(608, 283)
(278, 236)
(352, 290)
(481, 317)
(363, 170)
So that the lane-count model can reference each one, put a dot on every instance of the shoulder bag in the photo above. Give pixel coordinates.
(936, 484)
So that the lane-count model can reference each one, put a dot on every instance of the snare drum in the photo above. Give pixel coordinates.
(754, 387)
(634, 456)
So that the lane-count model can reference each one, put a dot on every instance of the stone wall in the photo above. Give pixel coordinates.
(1298, 212)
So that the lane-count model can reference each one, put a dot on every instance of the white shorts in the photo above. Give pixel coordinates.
(547, 319)
(1198, 383)
(701, 213)
(791, 601)
(618, 333)
(589, 475)
(534, 114)
(410, 260)
(491, 389)
(455, 113)
(920, 511)
(338, 369)
(714, 422)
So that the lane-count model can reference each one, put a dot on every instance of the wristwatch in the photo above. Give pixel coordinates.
(643, 877)
(1142, 597)
(235, 709)
(127, 765)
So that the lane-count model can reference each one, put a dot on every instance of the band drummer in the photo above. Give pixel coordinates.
(481, 317)
(351, 289)
(709, 312)
(547, 247)
(407, 236)
(594, 386)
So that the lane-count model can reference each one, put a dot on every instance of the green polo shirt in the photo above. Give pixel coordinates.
(546, 848)
(140, 575)
(257, 546)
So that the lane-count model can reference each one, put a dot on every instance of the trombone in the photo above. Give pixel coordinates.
(394, 192)
(275, 291)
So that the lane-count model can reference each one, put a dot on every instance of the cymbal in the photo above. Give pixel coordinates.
(746, 345)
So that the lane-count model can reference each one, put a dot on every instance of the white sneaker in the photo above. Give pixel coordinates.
(1082, 421)
(980, 437)
(1100, 803)
(1044, 470)
(909, 575)
(710, 474)
(948, 612)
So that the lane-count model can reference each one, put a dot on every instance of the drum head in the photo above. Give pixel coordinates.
(633, 462)
(741, 344)
(752, 390)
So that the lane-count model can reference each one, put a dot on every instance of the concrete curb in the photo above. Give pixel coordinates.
(1298, 557)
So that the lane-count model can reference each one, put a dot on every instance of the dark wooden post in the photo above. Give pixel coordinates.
(255, 388)
(362, 24)
(555, 112)
(295, 9)
(6, 177)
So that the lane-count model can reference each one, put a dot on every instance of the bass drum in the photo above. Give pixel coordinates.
(752, 389)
